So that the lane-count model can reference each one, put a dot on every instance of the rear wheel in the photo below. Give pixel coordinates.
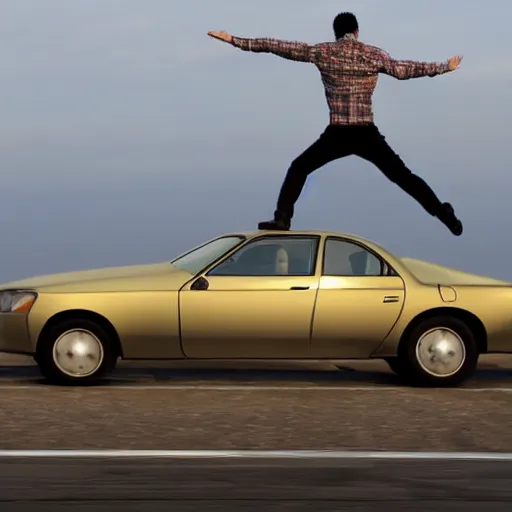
(440, 351)
(398, 366)
(76, 351)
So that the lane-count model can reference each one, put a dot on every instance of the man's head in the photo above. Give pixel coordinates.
(345, 23)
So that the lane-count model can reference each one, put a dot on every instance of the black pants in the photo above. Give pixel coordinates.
(365, 141)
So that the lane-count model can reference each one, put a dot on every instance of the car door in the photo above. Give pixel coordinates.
(257, 304)
(359, 300)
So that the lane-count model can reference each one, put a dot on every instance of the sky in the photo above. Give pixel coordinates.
(127, 135)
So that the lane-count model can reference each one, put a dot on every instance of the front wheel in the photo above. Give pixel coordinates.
(440, 351)
(76, 351)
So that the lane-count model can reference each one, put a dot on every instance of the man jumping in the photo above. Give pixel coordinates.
(349, 69)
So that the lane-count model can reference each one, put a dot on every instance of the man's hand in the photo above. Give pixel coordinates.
(454, 62)
(221, 35)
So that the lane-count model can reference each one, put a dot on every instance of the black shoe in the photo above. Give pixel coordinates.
(275, 225)
(448, 218)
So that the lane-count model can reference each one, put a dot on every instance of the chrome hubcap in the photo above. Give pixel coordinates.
(441, 352)
(78, 353)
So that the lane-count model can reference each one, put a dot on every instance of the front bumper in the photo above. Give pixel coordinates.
(14, 334)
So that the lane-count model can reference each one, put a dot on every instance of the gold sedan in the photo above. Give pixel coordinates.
(262, 295)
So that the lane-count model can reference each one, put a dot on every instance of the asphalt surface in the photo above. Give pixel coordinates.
(298, 407)
(258, 406)
(252, 485)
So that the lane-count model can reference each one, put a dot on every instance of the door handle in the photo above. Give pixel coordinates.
(391, 298)
(299, 288)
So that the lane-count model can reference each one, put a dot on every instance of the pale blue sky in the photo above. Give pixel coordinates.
(128, 135)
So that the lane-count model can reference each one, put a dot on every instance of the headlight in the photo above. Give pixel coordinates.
(17, 301)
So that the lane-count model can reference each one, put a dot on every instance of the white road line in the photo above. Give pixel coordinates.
(258, 454)
(205, 387)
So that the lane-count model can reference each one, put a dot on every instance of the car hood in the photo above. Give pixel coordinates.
(432, 273)
(155, 276)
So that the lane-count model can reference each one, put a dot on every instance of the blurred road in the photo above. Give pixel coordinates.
(256, 406)
(261, 406)
(270, 484)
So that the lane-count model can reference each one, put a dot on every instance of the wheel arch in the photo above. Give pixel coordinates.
(470, 319)
(82, 314)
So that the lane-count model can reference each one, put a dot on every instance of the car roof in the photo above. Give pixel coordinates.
(253, 234)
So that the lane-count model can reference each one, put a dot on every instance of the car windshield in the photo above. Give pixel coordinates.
(202, 256)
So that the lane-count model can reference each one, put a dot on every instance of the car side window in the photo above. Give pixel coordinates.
(272, 256)
(344, 258)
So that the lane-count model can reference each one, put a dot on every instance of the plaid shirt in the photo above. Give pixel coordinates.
(349, 71)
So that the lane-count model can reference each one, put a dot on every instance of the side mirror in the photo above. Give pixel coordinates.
(200, 284)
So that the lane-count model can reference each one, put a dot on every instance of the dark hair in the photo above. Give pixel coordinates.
(345, 23)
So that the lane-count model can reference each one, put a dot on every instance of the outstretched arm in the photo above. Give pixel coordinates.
(407, 69)
(287, 49)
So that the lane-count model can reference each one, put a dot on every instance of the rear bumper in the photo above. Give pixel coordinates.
(14, 334)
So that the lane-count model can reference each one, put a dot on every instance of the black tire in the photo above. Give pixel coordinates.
(416, 373)
(48, 365)
(398, 366)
